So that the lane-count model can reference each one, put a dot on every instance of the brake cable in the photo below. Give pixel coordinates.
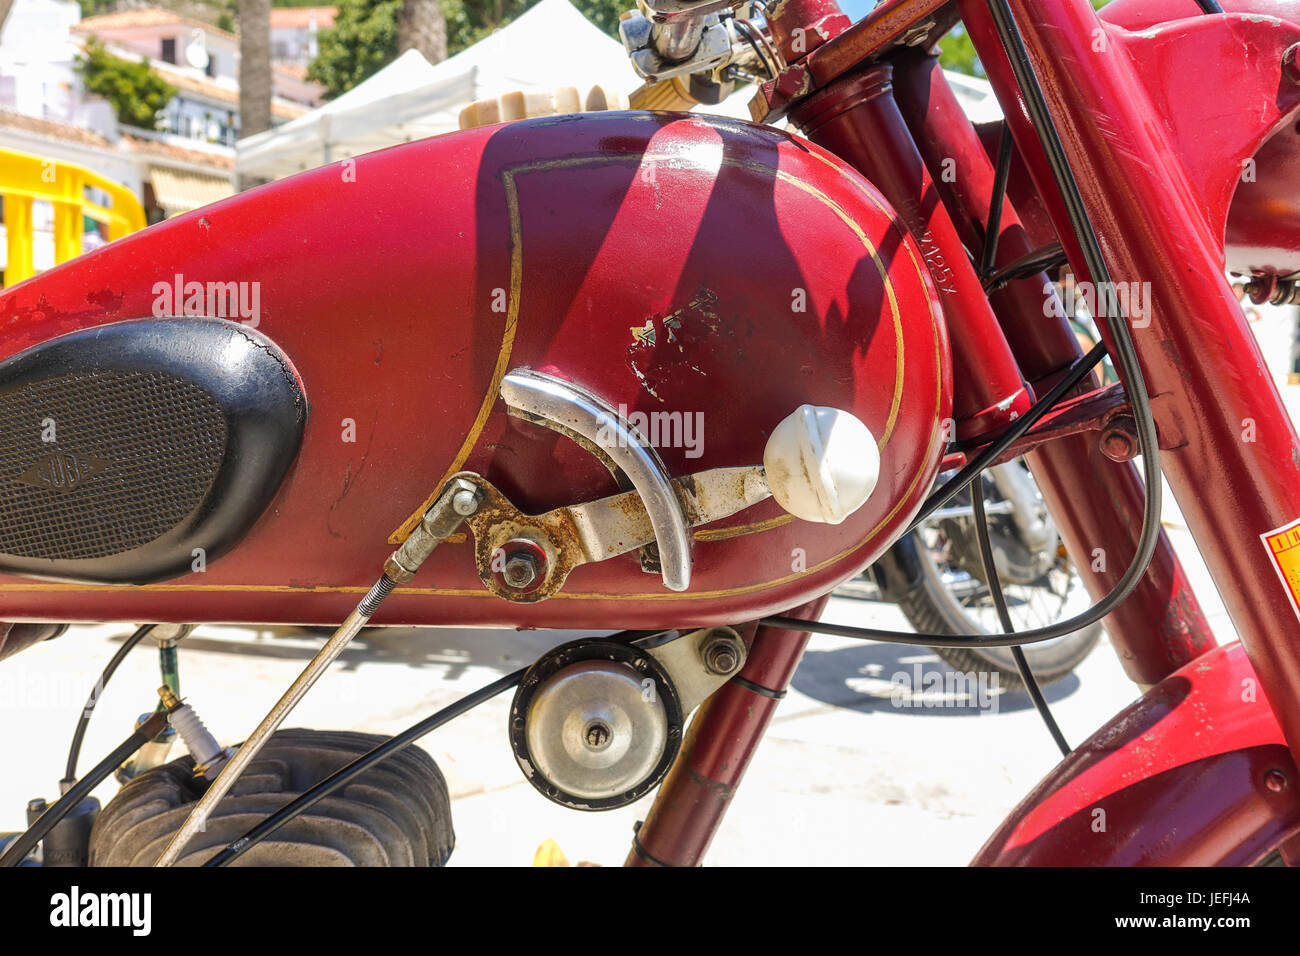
(1004, 616)
(83, 720)
(16, 851)
(313, 795)
(988, 260)
(1125, 357)
(993, 224)
(986, 457)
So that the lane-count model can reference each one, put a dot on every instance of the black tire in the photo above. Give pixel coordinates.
(909, 577)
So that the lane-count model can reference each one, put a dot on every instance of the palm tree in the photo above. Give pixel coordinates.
(421, 25)
(254, 68)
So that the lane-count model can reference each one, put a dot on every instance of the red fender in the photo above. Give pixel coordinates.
(1195, 773)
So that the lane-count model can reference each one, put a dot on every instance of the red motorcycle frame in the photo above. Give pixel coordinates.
(1203, 769)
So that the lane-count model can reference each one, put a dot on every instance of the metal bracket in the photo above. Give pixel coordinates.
(526, 558)
(700, 662)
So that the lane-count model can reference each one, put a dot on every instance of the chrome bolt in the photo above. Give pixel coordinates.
(720, 656)
(597, 735)
(464, 502)
(520, 570)
(1275, 781)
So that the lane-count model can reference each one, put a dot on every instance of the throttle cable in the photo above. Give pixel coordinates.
(1004, 616)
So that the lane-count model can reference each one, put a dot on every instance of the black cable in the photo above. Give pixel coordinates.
(309, 798)
(74, 752)
(747, 32)
(19, 848)
(1004, 616)
(1209, 6)
(1044, 259)
(1001, 173)
(1075, 374)
(1130, 371)
(1095, 262)
(339, 778)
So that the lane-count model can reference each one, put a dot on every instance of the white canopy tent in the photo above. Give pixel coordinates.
(549, 46)
(552, 45)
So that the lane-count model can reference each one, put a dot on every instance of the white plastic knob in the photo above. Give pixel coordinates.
(822, 463)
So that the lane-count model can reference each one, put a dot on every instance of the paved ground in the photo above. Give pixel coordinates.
(843, 776)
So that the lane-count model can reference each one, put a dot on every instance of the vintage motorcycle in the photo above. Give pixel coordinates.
(459, 385)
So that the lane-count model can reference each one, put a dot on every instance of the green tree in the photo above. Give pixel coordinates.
(605, 13)
(362, 40)
(957, 52)
(92, 8)
(137, 93)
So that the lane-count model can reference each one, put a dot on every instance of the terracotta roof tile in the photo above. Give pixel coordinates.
(148, 17)
(285, 17)
(54, 130)
(153, 147)
(225, 94)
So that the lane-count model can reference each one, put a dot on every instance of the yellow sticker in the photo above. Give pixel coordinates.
(1284, 547)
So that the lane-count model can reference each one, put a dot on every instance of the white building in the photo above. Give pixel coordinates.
(202, 62)
(294, 31)
(37, 54)
(45, 111)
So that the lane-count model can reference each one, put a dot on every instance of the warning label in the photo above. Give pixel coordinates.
(1284, 547)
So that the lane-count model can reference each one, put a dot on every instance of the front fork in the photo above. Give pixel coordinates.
(723, 736)
(1095, 502)
(901, 126)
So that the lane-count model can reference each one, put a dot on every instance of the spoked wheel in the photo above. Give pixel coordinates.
(946, 592)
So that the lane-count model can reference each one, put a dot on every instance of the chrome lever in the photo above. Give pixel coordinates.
(573, 411)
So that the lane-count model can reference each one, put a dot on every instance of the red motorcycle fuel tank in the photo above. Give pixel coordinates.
(710, 274)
